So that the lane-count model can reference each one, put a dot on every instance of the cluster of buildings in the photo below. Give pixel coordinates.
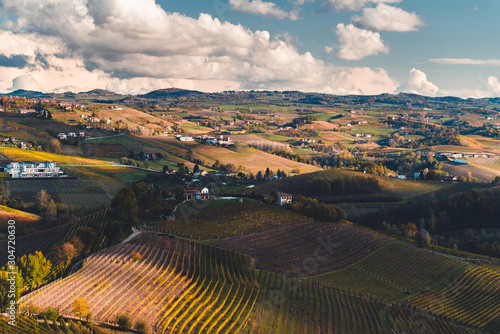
(367, 135)
(29, 169)
(16, 142)
(197, 193)
(212, 140)
(356, 123)
(65, 136)
(459, 155)
(206, 139)
(66, 106)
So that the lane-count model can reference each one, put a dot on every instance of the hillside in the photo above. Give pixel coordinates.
(181, 286)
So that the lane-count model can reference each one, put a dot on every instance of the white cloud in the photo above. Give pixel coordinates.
(356, 43)
(301, 2)
(388, 18)
(328, 49)
(352, 4)
(465, 61)
(134, 46)
(494, 85)
(26, 82)
(264, 8)
(418, 84)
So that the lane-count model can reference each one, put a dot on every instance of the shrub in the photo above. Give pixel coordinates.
(51, 313)
(136, 256)
(142, 327)
(124, 321)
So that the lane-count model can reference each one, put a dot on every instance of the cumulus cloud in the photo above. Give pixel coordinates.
(26, 82)
(351, 4)
(388, 18)
(494, 85)
(264, 8)
(465, 61)
(418, 84)
(134, 45)
(356, 43)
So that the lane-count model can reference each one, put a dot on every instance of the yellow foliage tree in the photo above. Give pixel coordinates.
(80, 307)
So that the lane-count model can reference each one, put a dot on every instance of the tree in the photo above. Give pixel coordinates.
(5, 284)
(51, 314)
(165, 169)
(51, 211)
(423, 239)
(411, 230)
(272, 197)
(34, 268)
(182, 168)
(125, 208)
(196, 168)
(81, 308)
(179, 193)
(124, 321)
(65, 253)
(268, 173)
(42, 198)
(52, 145)
(142, 327)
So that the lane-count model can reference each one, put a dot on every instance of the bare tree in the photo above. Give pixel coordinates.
(42, 198)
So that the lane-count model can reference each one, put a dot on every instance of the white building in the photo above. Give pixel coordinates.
(29, 169)
(284, 199)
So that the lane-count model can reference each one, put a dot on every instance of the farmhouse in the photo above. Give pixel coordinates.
(197, 193)
(29, 169)
(284, 198)
(27, 111)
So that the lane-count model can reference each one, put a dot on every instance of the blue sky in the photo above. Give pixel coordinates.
(334, 46)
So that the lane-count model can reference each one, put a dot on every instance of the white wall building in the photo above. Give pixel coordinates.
(29, 169)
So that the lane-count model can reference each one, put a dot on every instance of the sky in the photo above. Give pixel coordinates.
(428, 47)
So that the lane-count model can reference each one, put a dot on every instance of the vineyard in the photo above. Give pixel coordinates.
(71, 192)
(17, 154)
(314, 247)
(30, 325)
(203, 221)
(396, 271)
(20, 217)
(39, 241)
(293, 306)
(178, 286)
(473, 299)
(45, 241)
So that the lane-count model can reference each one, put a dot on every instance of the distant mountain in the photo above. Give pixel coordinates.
(28, 93)
(172, 93)
(99, 92)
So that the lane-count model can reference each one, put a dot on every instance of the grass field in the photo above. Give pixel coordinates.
(131, 117)
(251, 159)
